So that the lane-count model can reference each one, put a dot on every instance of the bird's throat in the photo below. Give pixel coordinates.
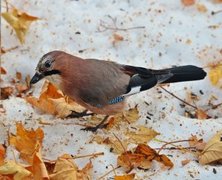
(55, 79)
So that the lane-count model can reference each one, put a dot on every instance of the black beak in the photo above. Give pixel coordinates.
(37, 77)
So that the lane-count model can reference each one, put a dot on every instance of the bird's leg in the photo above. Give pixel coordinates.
(98, 126)
(75, 114)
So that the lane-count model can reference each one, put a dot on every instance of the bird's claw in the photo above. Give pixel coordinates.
(95, 128)
(75, 114)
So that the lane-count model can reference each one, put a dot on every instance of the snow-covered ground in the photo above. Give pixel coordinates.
(167, 33)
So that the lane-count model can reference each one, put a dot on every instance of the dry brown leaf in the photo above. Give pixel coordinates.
(21, 88)
(66, 169)
(115, 145)
(213, 150)
(142, 135)
(2, 153)
(125, 177)
(2, 70)
(5, 92)
(130, 116)
(17, 171)
(142, 158)
(27, 142)
(188, 2)
(129, 160)
(215, 74)
(201, 114)
(184, 162)
(20, 22)
(201, 8)
(18, 76)
(38, 167)
(153, 155)
(196, 143)
(117, 37)
(52, 101)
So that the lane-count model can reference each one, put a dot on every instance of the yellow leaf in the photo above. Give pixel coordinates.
(215, 74)
(213, 150)
(142, 135)
(65, 169)
(125, 177)
(17, 170)
(20, 22)
(27, 142)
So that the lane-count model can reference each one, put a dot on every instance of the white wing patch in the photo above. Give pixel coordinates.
(133, 90)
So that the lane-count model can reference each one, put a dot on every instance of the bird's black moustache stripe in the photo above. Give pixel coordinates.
(48, 73)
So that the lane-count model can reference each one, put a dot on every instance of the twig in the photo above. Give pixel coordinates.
(216, 12)
(112, 170)
(179, 98)
(172, 142)
(176, 148)
(88, 155)
(3, 51)
(104, 26)
(120, 142)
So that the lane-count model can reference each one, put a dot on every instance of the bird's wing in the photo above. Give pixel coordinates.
(143, 79)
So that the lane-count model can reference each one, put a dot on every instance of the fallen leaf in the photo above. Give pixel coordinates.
(184, 162)
(27, 142)
(201, 114)
(153, 155)
(142, 135)
(21, 88)
(18, 76)
(201, 8)
(20, 22)
(2, 70)
(213, 150)
(6, 92)
(2, 153)
(125, 177)
(129, 116)
(215, 74)
(66, 169)
(53, 101)
(142, 157)
(17, 170)
(129, 160)
(188, 2)
(117, 37)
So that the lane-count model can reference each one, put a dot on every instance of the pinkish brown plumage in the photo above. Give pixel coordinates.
(102, 86)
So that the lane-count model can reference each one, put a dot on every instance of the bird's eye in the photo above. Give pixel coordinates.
(47, 64)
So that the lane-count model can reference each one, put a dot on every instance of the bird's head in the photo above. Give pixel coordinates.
(47, 66)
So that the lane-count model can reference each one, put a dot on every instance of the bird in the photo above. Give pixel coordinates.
(101, 86)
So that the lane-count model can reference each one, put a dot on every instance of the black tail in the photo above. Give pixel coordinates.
(182, 73)
(143, 79)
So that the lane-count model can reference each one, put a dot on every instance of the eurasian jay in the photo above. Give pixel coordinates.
(102, 86)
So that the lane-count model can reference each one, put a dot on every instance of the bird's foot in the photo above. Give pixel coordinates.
(101, 125)
(75, 114)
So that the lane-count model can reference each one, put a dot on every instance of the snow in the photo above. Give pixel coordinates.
(173, 35)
